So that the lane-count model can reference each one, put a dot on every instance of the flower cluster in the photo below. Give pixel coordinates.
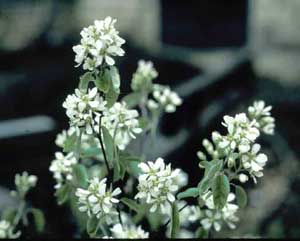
(6, 231)
(99, 43)
(241, 133)
(261, 113)
(238, 148)
(87, 141)
(253, 162)
(82, 107)
(24, 183)
(157, 185)
(122, 123)
(164, 98)
(61, 167)
(215, 218)
(142, 78)
(97, 200)
(128, 232)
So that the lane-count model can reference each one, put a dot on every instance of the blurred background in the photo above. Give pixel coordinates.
(218, 55)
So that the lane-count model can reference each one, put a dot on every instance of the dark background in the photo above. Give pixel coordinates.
(205, 51)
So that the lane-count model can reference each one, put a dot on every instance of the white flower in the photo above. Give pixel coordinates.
(142, 78)
(61, 167)
(254, 162)
(122, 124)
(157, 184)
(243, 178)
(87, 141)
(99, 43)
(181, 179)
(259, 108)
(241, 133)
(164, 97)
(6, 231)
(262, 114)
(128, 232)
(214, 217)
(81, 108)
(24, 182)
(97, 200)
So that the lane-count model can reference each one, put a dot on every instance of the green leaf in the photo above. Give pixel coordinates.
(115, 77)
(70, 143)
(201, 233)
(175, 221)
(220, 190)
(155, 220)
(211, 170)
(81, 175)
(9, 214)
(131, 204)
(241, 196)
(108, 143)
(63, 194)
(111, 96)
(39, 219)
(118, 167)
(190, 192)
(212, 167)
(143, 123)
(127, 157)
(91, 152)
(132, 99)
(92, 226)
(123, 168)
(103, 82)
(134, 169)
(85, 80)
(204, 185)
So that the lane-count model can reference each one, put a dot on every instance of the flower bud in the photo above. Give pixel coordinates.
(243, 178)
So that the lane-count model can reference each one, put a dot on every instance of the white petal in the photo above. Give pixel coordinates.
(109, 60)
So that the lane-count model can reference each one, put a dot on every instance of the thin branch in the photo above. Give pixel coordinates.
(102, 147)
(166, 224)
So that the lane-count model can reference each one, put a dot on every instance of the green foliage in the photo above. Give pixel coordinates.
(103, 81)
(92, 226)
(155, 220)
(190, 192)
(39, 219)
(131, 204)
(220, 190)
(111, 96)
(115, 78)
(108, 144)
(9, 214)
(81, 175)
(85, 79)
(201, 233)
(241, 196)
(91, 152)
(63, 194)
(70, 143)
(211, 170)
(132, 99)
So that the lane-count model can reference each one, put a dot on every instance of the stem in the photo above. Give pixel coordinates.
(78, 146)
(119, 215)
(178, 211)
(102, 146)
(20, 212)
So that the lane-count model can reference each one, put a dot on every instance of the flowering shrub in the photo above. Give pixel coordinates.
(112, 190)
